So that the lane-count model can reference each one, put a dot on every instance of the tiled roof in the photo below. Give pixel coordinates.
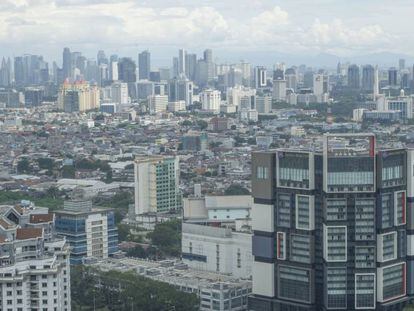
(29, 233)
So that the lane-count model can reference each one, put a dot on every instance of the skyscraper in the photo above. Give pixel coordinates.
(144, 65)
(191, 66)
(392, 77)
(368, 73)
(181, 61)
(353, 77)
(67, 63)
(156, 185)
(127, 74)
(260, 78)
(331, 227)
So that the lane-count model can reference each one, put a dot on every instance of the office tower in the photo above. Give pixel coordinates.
(5, 73)
(90, 232)
(92, 72)
(260, 78)
(278, 74)
(353, 77)
(33, 96)
(368, 74)
(308, 79)
(376, 83)
(318, 87)
(401, 64)
(127, 74)
(180, 89)
(405, 79)
(113, 70)
(34, 263)
(101, 58)
(155, 76)
(202, 73)
(330, 227)
(119, 93)
(392, 76)
(157, 103)
(67, 63)
(279, 90)
(181, 61)
(264, 104)
(78, 97)
(210, 100)
(144, 89)
(103, 75)
(191, 66)
(208, 59)
(127, 70)
(245, 70)
(156, 185)
(19, 71)
(237, 95)
(291, 79)
(144, 65)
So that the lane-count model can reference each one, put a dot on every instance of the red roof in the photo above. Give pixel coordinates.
(41, 218)
(29, 233)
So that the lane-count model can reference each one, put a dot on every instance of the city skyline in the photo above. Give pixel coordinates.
(253, 30)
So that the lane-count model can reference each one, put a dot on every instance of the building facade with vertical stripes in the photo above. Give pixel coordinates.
(333, 228)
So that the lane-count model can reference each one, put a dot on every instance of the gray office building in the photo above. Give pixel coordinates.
(333, 228)
(144, 65)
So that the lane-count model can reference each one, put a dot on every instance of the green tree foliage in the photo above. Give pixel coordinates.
(24, 166)
(186, 123)
(202, 124)
(68, 171)
(125, 291)
(235, 189)
(167, 237)
(45, 163)
(13, 197)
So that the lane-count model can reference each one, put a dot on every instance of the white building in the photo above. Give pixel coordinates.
(176, 106)
(215, 249)
(236, 94)
(34, 262)
(279, 90)
(156, 185)
(357, 114)
(157, 103)
(119, 93)
(263, 104)
(210, 100)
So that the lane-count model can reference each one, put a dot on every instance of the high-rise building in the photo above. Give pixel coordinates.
(392, 77)
(34, 262)
(368, 77)
(67, 63)
(191, 66)
(101, 57)
(401, 64)
(156, 185)
(332, 227)
(5, 73)
(181, 61)
(91, 232)
(157, 103)
(78, 97)
(264, 104)
(260, 78)
(210, 100)
(354, 77)
(180, 89)
(144, 65)
(119, 93)
(127, 74)
(279, 90)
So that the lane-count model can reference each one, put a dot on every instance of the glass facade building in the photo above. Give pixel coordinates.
(340, 223)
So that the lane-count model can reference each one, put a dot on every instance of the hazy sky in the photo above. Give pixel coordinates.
(299, 27)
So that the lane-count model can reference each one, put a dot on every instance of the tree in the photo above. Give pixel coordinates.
(68, 171)
(186, 123)
(24, 166)
(235, 189)
(167, 237)
(45, 163)
(202, 124)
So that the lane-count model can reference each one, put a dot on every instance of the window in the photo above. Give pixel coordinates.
(399, 208)
(393, 278)
(364, 219)
(284, 204)
(304, 212)
(294, 283)
(336, 209)
(261, 172)
(386, 209)
(336, 288)
(387, 248)
(281, 246)
(300, 248)
(335, 243)
(365, 291)
(365, 257)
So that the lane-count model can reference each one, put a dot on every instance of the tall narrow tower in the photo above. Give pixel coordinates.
(376, 83)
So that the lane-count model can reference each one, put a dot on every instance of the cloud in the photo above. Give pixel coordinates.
(120, 24)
